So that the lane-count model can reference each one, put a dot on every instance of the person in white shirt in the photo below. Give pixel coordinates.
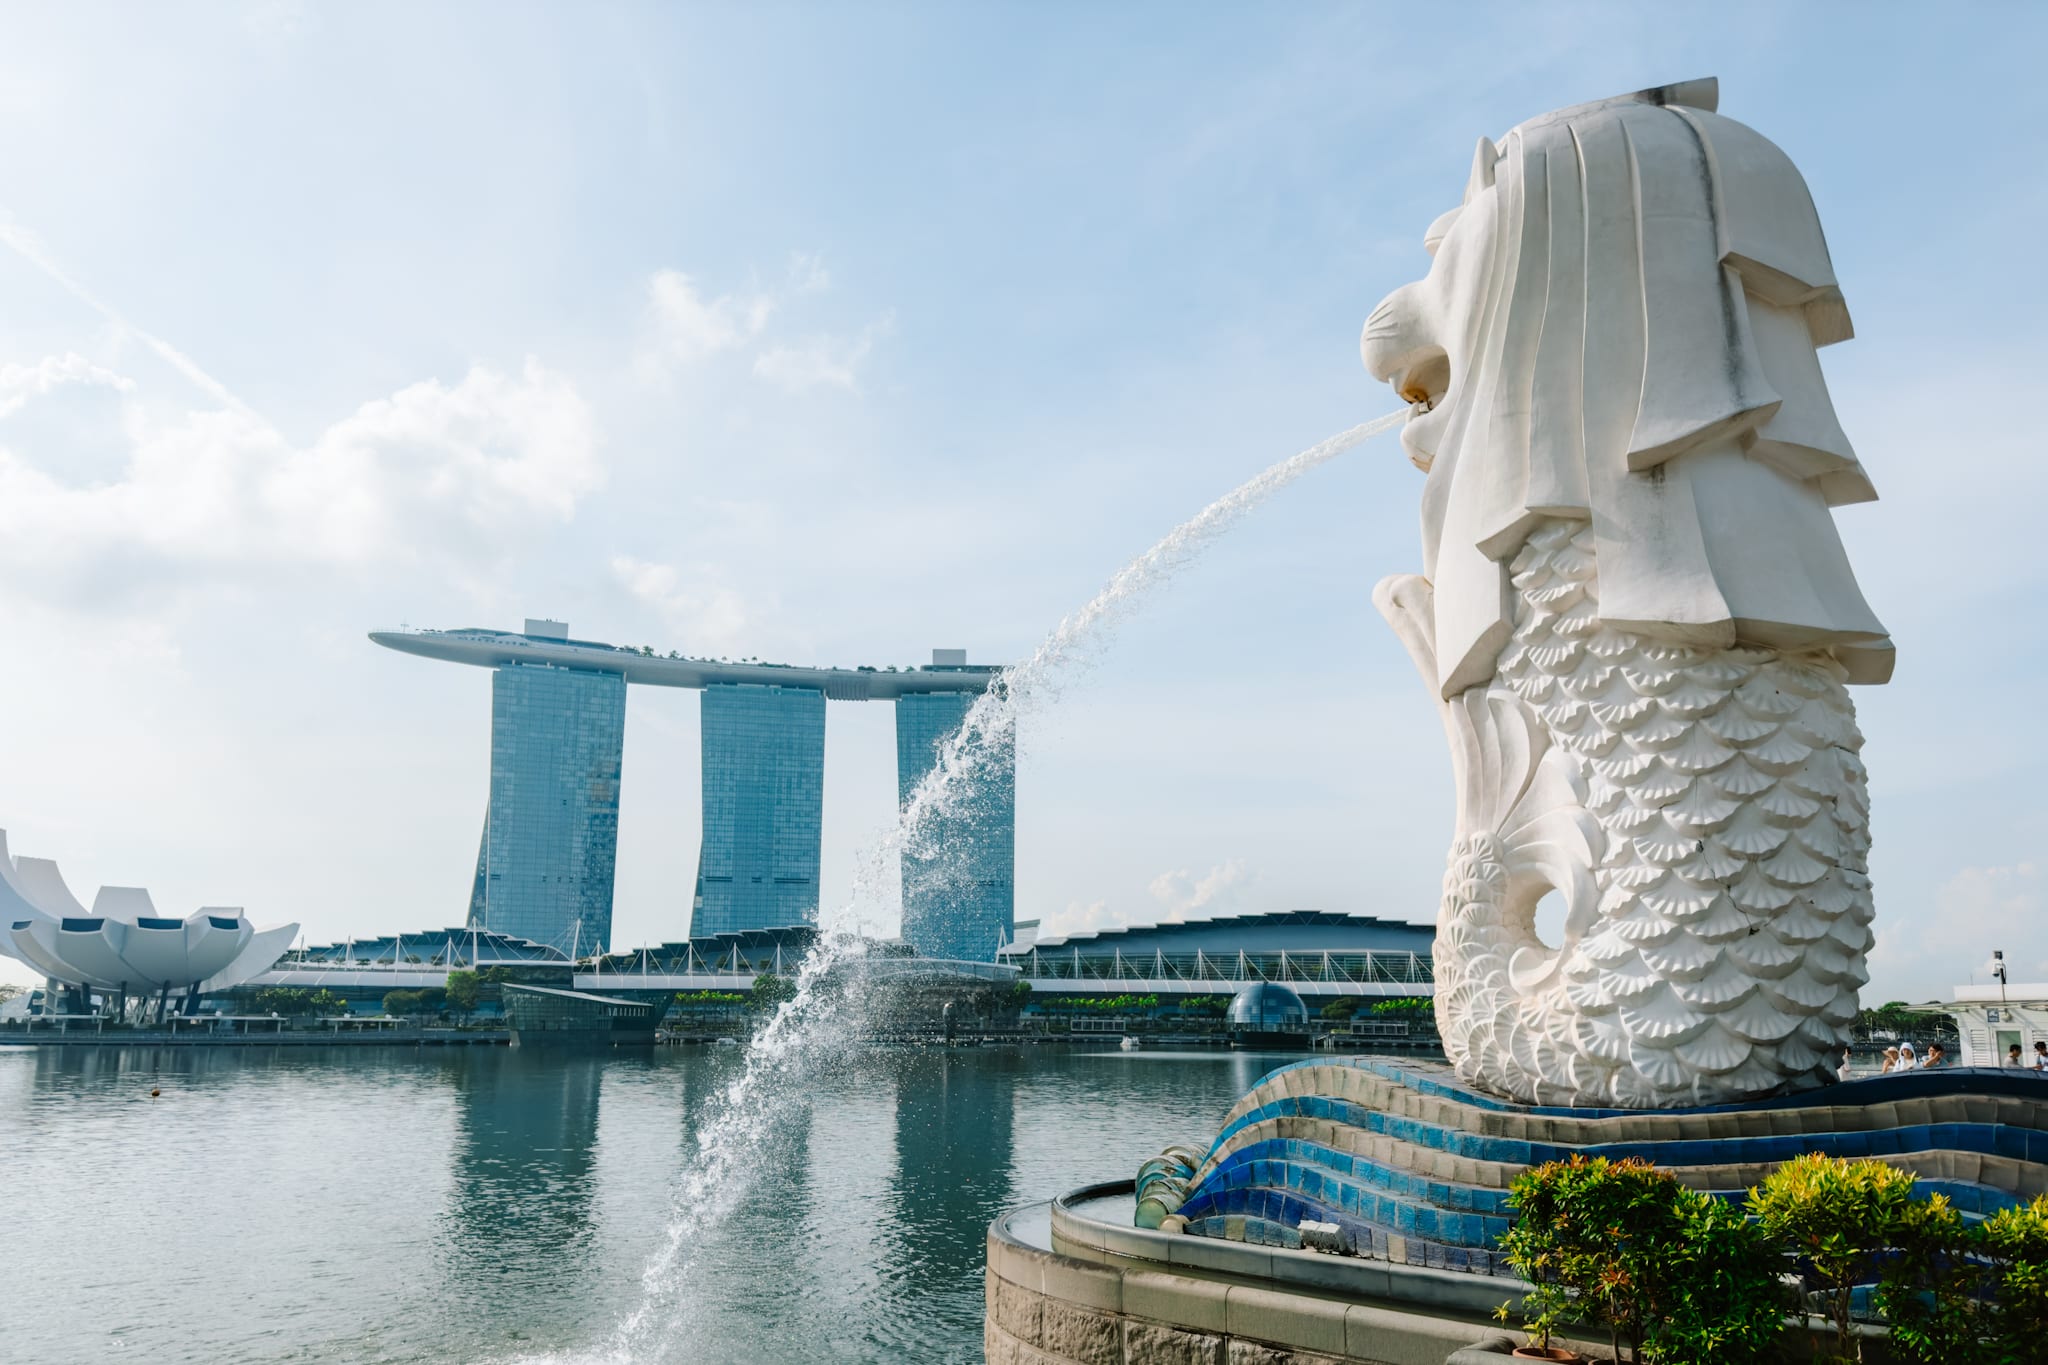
(2040, 1056)
(1908, 1059)
(1842, 1072)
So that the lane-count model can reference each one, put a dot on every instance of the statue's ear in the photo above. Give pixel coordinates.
(1484, 158)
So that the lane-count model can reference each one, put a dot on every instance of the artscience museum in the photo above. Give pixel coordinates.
(123, 950)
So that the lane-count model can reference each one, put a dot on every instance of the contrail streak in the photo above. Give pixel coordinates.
(30, 248)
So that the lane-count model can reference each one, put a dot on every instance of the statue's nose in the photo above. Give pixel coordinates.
(1399, 349)
(1392, 335)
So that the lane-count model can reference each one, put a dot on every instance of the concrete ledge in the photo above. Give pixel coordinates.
(1354, 1277)
(1048, 1307)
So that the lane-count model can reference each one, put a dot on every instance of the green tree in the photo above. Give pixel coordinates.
(1839, 1217)
(1020, 992)
(465, 990)
(2014, 1243)
(8, 991)
(772, 991)
(1726, 1303)
(290, 1000)
(400, 1004)
(1623, 1248)
(1930, 1284)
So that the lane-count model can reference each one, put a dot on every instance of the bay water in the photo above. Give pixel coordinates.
(490, 1204)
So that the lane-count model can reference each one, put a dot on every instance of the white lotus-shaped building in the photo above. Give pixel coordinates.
(123, 946)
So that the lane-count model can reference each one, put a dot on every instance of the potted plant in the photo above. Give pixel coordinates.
(1537, 1326)
(1590, 1234)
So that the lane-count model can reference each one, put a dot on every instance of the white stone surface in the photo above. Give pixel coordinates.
(1635, 610)
(123, 944)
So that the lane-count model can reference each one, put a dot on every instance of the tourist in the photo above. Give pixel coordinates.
(2040, 1055)
(1907, 1059)
(1891, 1062)
(2012, 1055)
(1937, 1055)
(1842, 1072)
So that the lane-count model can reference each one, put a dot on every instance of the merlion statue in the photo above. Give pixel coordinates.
(1636, 612)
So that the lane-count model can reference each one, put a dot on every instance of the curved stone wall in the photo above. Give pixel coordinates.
(1071, 1303)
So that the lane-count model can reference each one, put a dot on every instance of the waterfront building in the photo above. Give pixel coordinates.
(546, 1016)
(545, 867)
(362, 971)
(959, 866)
(764, 807)
(1992, 1019)
(1267, 1014)
(123, 948)
(551, 834)
(1320, 954)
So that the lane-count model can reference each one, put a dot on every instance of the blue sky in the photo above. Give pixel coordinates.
(831, 334)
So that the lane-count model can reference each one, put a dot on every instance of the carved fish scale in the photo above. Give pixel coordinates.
(1723, 940)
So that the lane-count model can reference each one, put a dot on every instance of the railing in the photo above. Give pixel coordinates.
(1332, 969)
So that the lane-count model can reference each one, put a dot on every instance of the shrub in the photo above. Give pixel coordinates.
(291, 1000)
(1929, 1284)
(1622, 1247)
(1727, 1303)
(2014, 1243)
(1839, 1217)
(1575, 1237)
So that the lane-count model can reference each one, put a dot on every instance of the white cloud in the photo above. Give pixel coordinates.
(807, 273)
(1077, 918)
(1982, 908)
(703, 614)
(1975, 911)
(20, 383)
(432, 473)
(820, 361)
(688, 327)
(1181, 894)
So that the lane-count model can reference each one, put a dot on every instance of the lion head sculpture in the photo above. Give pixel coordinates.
(1620, 324)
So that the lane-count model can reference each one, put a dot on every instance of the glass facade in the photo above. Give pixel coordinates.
(959, 872)
(764, 808)
(552, 832)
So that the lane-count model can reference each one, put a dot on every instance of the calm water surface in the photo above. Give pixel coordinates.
(496, 1205)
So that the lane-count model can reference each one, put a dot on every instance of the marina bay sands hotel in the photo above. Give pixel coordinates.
(558, 725)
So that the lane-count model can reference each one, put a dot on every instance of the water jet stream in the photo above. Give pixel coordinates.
(747, 1112)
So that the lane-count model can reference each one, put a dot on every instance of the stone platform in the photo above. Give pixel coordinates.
(1407, 1172)
(1413, 1168)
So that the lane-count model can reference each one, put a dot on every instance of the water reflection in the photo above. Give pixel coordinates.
(518, 1217)
(955, 1127)
(489, 1206)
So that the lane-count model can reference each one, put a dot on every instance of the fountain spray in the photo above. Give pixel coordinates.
(810, 1030)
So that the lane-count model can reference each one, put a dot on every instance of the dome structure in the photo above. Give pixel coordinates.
(1267, 1007)
(123, 944)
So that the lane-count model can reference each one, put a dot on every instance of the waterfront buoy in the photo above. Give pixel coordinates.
(154, 1092)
